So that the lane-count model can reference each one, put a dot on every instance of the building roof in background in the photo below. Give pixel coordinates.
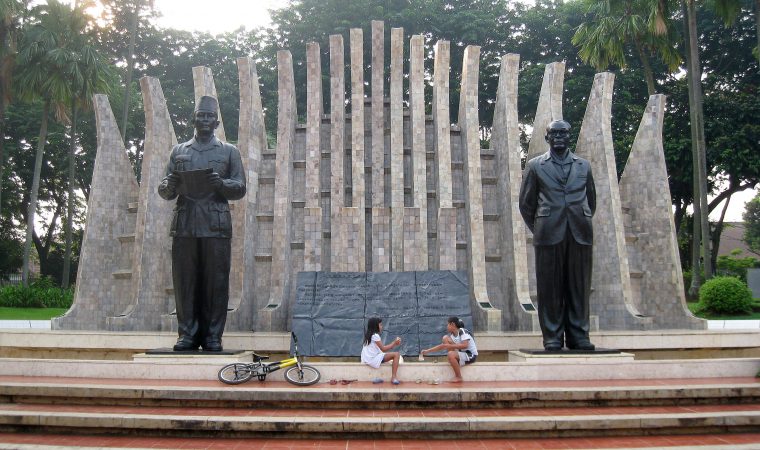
(732, 238)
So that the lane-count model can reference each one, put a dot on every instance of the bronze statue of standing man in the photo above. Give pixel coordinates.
(203, 174)
(557, 202)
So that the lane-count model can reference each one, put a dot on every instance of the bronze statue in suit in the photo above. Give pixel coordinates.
(202, 229)
(557, 202)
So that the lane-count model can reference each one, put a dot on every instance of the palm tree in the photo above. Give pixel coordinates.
(56, 65)
(90, 73)
(617, 23)
(9, 29)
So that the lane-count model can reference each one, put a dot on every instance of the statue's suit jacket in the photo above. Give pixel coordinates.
(549, 206)
(204, 214)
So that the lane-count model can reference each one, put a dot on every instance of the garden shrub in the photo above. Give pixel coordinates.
(40, 294)
(735, 266)
(725, 295)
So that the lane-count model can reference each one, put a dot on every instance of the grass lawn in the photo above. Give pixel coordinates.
(755, 315)
(30, 313)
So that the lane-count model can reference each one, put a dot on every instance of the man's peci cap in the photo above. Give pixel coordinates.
(207, 103)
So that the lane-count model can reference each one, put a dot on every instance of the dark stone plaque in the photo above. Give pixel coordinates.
(332, 308)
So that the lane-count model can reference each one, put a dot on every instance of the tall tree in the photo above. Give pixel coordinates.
(9, 30)
(48, 71)
(613, 24)
(89, 75)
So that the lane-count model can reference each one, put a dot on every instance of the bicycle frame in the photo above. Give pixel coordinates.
(301, 374)
(277, 365)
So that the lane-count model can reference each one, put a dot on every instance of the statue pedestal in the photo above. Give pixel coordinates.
(569, 356)
(167, 355)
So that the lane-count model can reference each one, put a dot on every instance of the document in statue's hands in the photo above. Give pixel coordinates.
(194, 181)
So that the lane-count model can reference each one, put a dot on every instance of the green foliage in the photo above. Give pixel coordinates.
(10, 255)
(42, 293)
(734, 266)
(725, 295)
(752, 224)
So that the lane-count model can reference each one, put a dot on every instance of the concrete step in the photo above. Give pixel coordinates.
(376, 423)
(365, 395)
(206, 367)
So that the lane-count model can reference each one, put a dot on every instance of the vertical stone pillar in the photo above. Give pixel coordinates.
(104, 288)
(203, 81)
(203, 84)
(337, 151)
(273, 316)
(446, 256)
(357, 148)
(397, 150)
(505, 142)
(151, 270)
(252, 141)
(378, 115)
(416, 249)
(485, 315)
(645, 197)
(549, 107)
(611, 282)
(313, 209)
(381, 238)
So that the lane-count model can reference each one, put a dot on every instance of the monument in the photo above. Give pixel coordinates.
(558, 201)
(379, 187)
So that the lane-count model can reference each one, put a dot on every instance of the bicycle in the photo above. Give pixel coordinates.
(298, 373)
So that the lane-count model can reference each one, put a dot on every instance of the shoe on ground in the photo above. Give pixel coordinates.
(184, 345)
(377, 380)
(395, 381)
(213, 346)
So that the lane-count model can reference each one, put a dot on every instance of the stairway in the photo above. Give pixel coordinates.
(359, 409)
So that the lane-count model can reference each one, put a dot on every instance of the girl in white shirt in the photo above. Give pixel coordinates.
(374, 352)
(460, 345)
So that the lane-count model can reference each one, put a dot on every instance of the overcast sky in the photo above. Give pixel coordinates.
(217, 16)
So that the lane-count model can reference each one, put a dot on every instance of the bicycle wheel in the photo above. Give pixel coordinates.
(306, 376)
(235, 373)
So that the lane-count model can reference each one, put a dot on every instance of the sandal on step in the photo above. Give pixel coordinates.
(395, 381)
(377, 380)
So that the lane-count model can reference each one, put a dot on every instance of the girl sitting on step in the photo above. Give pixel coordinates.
(374, 352)
(460, 345)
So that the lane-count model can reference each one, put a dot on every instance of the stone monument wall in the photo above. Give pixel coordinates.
(369, 185)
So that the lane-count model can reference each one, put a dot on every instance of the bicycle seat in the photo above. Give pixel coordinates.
(257, 357)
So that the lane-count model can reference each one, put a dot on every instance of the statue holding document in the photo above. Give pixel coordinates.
(202, 174)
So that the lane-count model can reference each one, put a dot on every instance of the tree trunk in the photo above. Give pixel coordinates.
(697, 137)
(698, 122)
(128, 78)
(648, 74)
(717, 234)
(2, 148)
(696, 229)
(35, 190)
(757, 28)
(70, 209)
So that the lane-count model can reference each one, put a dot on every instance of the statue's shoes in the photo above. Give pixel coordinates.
(185, 346)
(553, 348)
(587, 346)
(212, 347)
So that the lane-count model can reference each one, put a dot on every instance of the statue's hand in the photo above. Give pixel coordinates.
(172, 180)
(215, 180)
